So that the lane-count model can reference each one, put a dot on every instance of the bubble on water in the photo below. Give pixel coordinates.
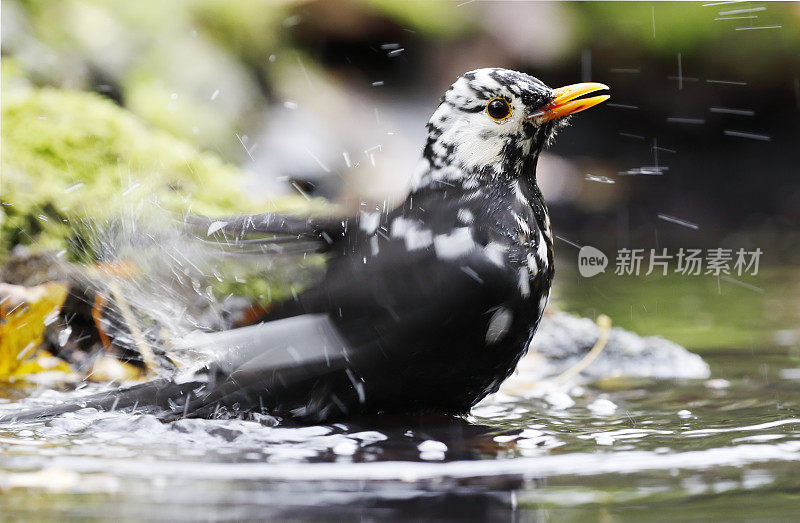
(346, 447)
(604, 440)
(602, 407)
(559, 400)
(790, 374)
(431, 445)
(431, 456)
(488, 411)
(370, 436)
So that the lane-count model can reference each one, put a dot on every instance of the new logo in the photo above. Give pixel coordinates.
(591, 261)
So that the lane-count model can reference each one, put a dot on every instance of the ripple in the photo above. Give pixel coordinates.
(544, 466)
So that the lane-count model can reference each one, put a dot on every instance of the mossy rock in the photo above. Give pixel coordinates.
(71, 157)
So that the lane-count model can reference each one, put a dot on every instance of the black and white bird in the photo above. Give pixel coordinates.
(424, 308)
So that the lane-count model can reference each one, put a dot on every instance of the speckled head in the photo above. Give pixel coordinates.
(495, 122)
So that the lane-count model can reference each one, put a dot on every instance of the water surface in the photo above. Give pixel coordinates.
(618, 448)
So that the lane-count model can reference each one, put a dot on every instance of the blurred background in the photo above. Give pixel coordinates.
(331, 98)
(220, 106)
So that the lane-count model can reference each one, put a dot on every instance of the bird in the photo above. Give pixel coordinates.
(423, 308)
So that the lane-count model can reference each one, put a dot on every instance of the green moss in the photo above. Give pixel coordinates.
(430, 18)
(158, 58)
(70, 156)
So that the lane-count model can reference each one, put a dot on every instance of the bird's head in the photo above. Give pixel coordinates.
(494, 122)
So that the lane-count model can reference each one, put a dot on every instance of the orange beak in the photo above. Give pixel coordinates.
(565, 100)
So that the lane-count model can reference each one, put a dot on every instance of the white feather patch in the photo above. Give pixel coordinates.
(496, 253)
(465, 216)
(524, 282)
(453, 245)
(523, 224)
(414, 236)
(533, 266)
(542, 248)
(369, 222)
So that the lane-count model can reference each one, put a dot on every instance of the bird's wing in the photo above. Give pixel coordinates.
(268, 233)
(276, 365)
(281, 343)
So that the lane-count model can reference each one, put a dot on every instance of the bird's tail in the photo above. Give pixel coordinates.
(277, 364)
(161, 397)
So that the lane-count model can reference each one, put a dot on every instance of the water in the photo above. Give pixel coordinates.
(619, 449)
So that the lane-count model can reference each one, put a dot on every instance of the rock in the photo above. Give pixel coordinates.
(562, 340)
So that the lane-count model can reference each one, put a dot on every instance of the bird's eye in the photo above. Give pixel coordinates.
(498, 109)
